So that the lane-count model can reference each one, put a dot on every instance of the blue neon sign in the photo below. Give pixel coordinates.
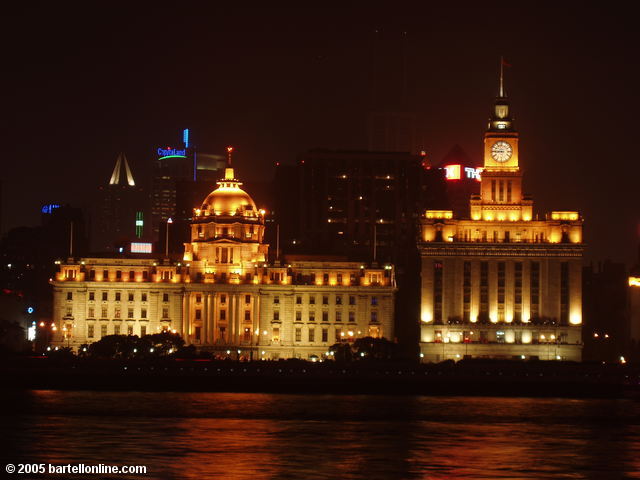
(49, 208)
(171, 152)
(185, 137)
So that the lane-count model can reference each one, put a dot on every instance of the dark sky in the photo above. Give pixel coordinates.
(81, 84)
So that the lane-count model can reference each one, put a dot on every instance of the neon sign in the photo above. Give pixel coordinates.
(454, 172)
(171, 152)
(139, 247)
(185, 137)
(49, 208)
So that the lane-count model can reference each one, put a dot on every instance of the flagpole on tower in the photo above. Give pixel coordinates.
(501, 76)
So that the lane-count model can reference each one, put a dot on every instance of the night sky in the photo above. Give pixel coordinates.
(81, 84)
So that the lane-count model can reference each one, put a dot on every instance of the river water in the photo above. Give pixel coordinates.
(267, 436)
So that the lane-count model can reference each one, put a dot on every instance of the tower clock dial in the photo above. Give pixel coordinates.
(501, 151)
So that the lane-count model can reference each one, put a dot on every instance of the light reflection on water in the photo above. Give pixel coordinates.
(264, 436)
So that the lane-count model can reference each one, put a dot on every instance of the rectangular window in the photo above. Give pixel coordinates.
(352, 300)
(298, 334)
(312, 316)
(198, 331)
(325, 278)
(130, 313)
(198, 298)
(105, 275)
(325, 335)
(325, 316)
(298, 300)
(132, 275)
(223, 314)
(338, 299)
(90, 329)
(338, 316)
(104, 296)
(144, 297)
(117, 296)
(275, 336)
(247, 315)
(118, 275)
(165, 313)
(104, 312)
(116, 329)
(92, 274)
(247, 299)
(92, 296)
(312, 300)
(92, 312)
(145, 275)
(298, 316)
(131, 296)
(325, 300)
(223, 299)
(143, 313)
(339, 278)
(276, 315)
(103, 330)
(374, 301)
(276, 300)
(69, 296)
(198, 314)
(338, 334)
(130, 330)
(143, 330)
(165, 297)
(374, 317)
(116, 312)
(312, 334)
(352, 316)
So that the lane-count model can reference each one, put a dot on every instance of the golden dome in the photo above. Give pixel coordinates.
(229, 199)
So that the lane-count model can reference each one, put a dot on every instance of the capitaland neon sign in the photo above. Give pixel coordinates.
(455, 172)
(171, 152)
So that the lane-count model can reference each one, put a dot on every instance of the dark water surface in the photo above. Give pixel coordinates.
(265, 436)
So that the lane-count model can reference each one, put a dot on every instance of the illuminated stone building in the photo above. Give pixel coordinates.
(223, 295)
(503, 283)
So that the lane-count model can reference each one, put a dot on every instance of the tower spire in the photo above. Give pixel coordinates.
(121, 163)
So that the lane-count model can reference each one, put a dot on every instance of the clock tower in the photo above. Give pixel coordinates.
(501, 195)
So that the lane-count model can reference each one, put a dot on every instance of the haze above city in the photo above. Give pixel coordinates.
(82, 85)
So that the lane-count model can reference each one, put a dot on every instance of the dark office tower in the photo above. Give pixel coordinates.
(171, 166)
(348, 199)
(120, 218)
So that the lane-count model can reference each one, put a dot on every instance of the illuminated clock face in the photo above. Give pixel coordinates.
(501, 151)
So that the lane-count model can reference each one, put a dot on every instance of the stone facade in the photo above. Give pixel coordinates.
(223, 296)
(502, 284)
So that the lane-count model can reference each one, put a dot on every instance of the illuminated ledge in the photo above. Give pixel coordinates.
(448, 249)
(573, 216)
(446, 214)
